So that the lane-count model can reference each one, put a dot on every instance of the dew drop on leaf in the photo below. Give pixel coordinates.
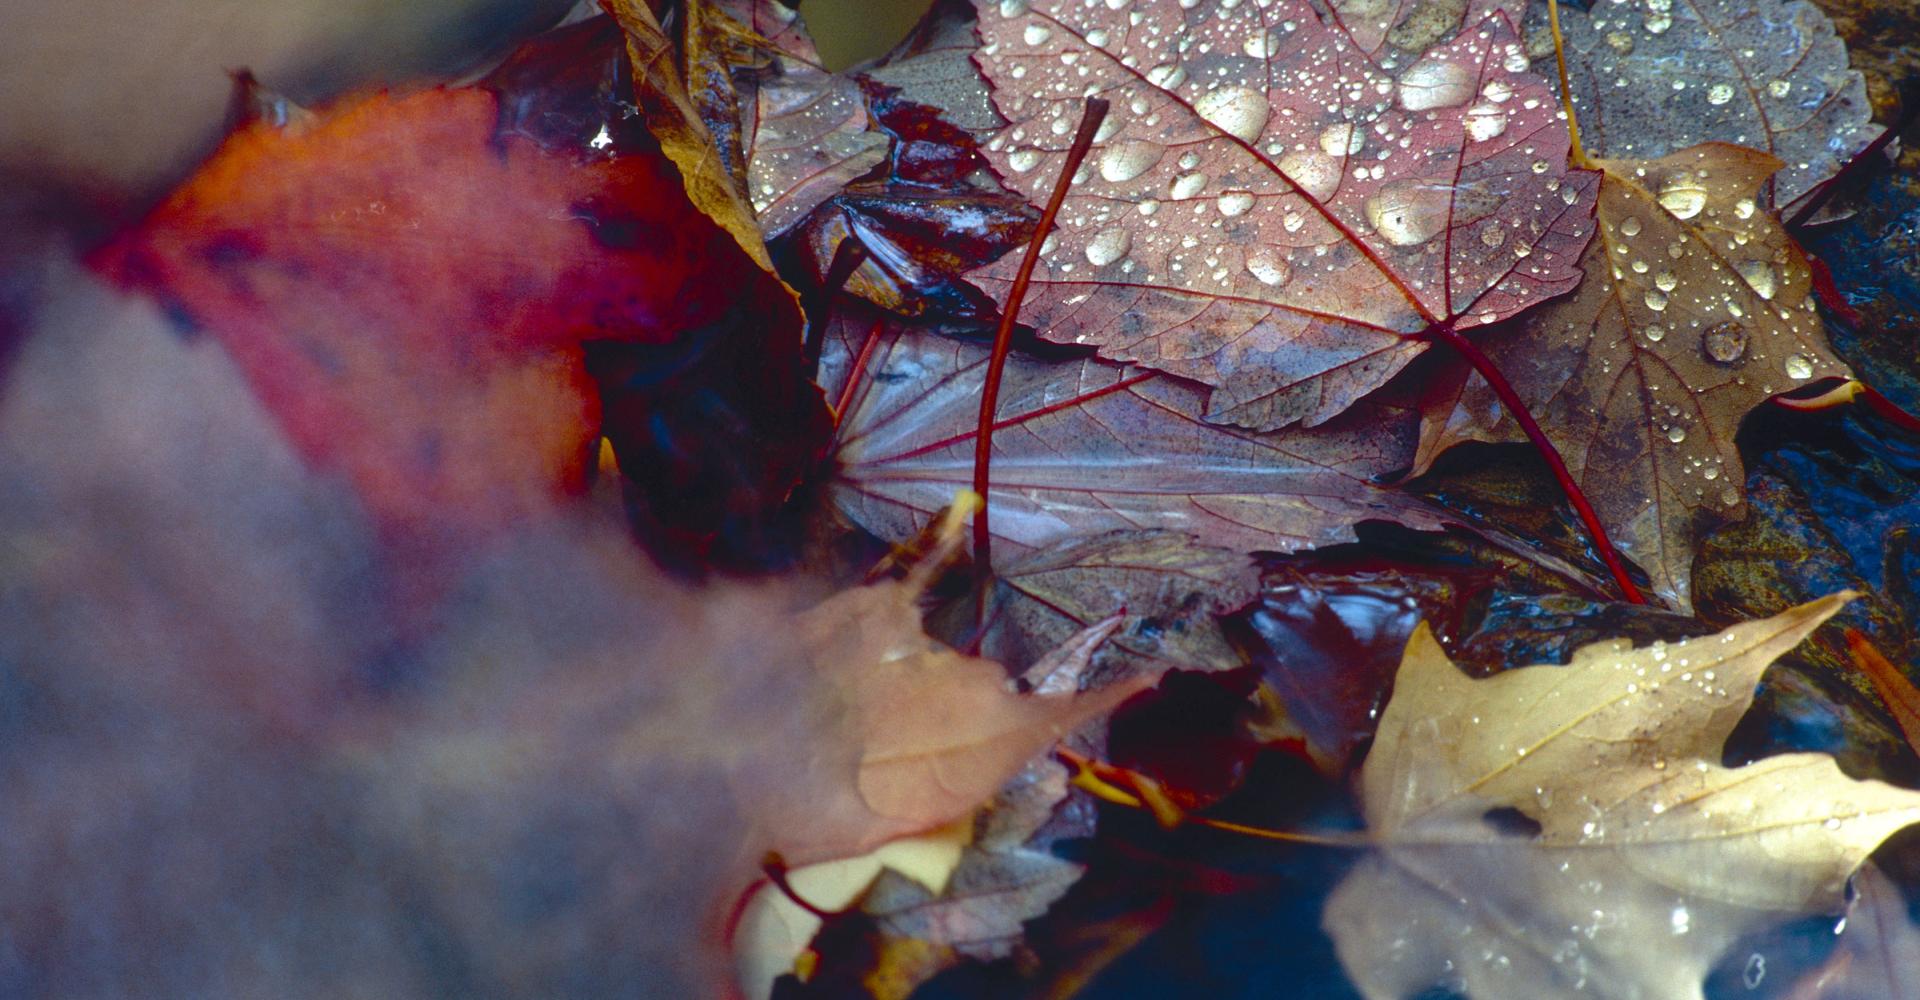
(1759, 276)
(1799, 366)
(1238, 111)
(1720, 93)
(1684, 197)
(1110, 245)
(1724, 343)
(1630, 226)
(1433, 83)
(1125, 160)
(1342, 140)
(1268, 266)
(1235, 203)
(1187, 185)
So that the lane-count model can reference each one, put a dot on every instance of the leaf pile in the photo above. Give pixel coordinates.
(579, 461)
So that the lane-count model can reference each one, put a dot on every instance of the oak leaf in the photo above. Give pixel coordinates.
(1267, 211)
(1083, 447)
(1770, 74)
(1569, 831)
(1697, 308)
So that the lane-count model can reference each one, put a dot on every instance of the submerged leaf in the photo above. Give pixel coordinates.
(1649, 81)
(1267, 211)
(1569, 831)
(1697, 308)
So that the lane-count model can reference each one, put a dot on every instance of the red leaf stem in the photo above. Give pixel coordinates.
(1511, 399)
(1090, 119)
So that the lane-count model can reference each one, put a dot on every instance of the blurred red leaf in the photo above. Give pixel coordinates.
(1269, 212)
(409, 292)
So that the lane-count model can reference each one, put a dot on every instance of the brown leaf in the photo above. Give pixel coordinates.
(1398, 29)
(715, 180)
(934, 66)
(1268, 212)
(1643, 857)
(1763, 73)
(1166, 587)
(1085, 447)
(1697, 309)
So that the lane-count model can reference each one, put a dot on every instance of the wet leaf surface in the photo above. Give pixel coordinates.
(1697, 309)
(1653, 80)
(1236, 227)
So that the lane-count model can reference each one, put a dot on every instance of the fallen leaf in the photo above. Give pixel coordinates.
(1167, 589)
(1084, 447)
(1569, 831)
(1650, 81)
(1268, 212)
(715, 174)
(807, 137)
(1901, 697)
(1697, 308)
(1005, 877)
(934, 66)
(410, 299)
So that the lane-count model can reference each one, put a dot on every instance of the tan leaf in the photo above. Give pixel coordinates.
(1697, 307)
(1643, 858)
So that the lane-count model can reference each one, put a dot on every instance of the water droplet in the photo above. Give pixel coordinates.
(1759, 276)
(1343, 139)
(1149, 206)
(1023, 160)
(1189, 160)
(1497, 91)
(1266, 264)
(1799, 366)
(1434, 83)
(1666, 281)
(1240, 112)
(1725, 343)
(1743, 209)
(1187, 185)
(1720, 93)
(1167, 75)
(1676, 434)
(1492, 234)
(1036, 34)
(1684, 197)
(1658, 23)
(1620, 42)
(1235, 203)
(1292, 222)
(1097, 38)
(1407, 214)
(1129, 158)
(1755, 971)
(1485, 121)
(1541, 166)
(1314, 173)
(1012, 8)
(1779, 88)
(1262, 45)
(1630, 226)
(1108, 246)
(1655, 332)
(1730, 496)
(1656, 300)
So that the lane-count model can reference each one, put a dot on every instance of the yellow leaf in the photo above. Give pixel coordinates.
(1569, 831)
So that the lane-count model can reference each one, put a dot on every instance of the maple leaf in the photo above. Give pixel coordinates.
(1647, 859)
(1267, 211)
(1762, 73)
(1083, 447)
(1697, 308)
(934, 66)
(1878, 948)
(413, 302)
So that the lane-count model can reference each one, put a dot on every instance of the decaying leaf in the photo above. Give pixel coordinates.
(1267, 211)
(1878, 951)
(1697, 308)
(1653, 79)
(934, 66)
(1569, 831)
(1084, 447)
(807, 137)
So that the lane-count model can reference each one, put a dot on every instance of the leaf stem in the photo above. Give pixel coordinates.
(1090, 119)
(1511, 399)
(847, 258)
(1136, 791)
(1577, 152)
(1855, 390)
